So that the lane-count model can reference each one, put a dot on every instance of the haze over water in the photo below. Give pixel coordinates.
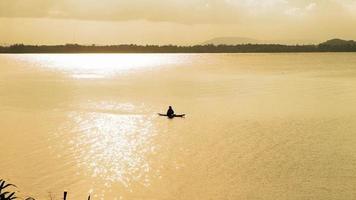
(258, 126)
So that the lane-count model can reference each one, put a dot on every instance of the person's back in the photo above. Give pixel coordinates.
(170, 112)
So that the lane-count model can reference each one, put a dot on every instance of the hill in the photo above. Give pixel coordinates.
(338, 42)
(244, 40)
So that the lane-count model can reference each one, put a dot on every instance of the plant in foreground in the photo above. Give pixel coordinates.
(4, 195)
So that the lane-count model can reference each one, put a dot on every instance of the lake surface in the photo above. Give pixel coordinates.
(258, 126)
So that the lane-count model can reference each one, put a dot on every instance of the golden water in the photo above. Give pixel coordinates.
(258, 126)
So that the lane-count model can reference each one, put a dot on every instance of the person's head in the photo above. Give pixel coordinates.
(170, 107)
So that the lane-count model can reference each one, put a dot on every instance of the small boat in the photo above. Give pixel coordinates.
(173, 116)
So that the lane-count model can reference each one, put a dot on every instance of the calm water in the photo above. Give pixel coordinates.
(258, 126)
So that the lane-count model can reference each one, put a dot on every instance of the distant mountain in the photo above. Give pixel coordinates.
(232, 41)
(338, 42)
(244, 40)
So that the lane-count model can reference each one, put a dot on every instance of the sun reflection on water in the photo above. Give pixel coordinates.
(113, 147)
(94, 66)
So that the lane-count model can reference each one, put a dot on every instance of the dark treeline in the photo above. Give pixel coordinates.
(243, 48)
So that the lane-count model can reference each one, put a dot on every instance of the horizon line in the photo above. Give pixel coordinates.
(169, 44)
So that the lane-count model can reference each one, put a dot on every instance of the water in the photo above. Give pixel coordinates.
(258, 126)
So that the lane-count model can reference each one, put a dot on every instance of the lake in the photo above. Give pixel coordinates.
(258, 126)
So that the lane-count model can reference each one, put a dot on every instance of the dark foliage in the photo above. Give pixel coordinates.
(334, 45)
(4, 195)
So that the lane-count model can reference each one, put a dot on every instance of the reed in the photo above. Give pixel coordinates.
(5, 195)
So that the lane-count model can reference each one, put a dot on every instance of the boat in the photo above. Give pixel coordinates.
(173, 116)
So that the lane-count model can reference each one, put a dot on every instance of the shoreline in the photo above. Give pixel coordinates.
(282, 52)
(210, 48)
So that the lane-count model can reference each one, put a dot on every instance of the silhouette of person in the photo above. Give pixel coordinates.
(170, 112)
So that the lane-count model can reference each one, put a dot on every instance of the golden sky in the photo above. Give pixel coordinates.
(174, 21)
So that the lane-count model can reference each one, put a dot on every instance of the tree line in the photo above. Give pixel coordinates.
(132, 48)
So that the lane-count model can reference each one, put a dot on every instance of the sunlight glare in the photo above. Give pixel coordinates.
(93, 66)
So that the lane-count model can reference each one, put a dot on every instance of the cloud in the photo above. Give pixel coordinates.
(201, 11)
(178, 11)
(311, 6)
(348, 5)
(258, 4)
(301, 11)
(174, 21)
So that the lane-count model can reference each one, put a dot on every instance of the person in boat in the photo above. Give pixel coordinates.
(170, 112)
